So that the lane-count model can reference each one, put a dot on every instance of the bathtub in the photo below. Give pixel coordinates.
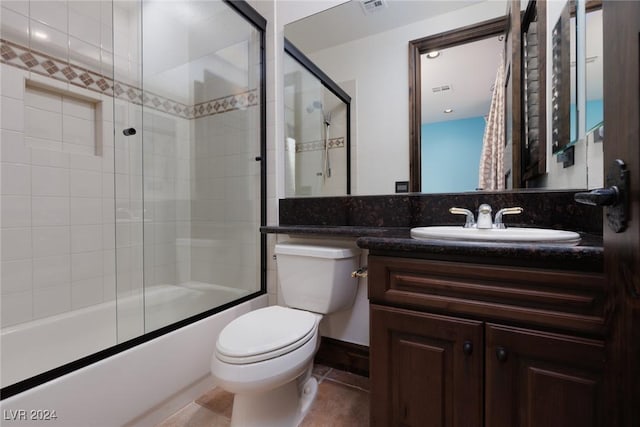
(142, 384)
(75, 334)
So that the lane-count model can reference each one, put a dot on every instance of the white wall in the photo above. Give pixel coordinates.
(558, 177)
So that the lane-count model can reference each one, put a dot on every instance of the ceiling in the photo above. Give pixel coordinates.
(469, 70)
(470, 97)
(347, 21)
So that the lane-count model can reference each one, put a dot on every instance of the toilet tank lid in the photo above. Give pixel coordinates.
(332, 250)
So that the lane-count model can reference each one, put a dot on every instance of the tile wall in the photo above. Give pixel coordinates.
(72, 205)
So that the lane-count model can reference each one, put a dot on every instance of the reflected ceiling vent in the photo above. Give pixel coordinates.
(371, 6)
(441, 89)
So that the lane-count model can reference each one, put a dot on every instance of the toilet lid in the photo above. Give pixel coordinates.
(265, 333)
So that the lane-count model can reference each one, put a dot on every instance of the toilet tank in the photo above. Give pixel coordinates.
(316, 276)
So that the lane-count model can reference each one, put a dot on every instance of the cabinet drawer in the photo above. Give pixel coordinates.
(567, 300)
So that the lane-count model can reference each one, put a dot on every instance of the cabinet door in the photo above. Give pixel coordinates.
(542, 379)
(426, 370)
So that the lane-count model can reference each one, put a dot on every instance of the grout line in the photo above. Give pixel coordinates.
(347, 384)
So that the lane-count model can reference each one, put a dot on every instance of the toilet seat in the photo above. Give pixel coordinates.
(264, 334)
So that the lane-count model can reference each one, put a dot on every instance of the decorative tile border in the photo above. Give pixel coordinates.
(31, 60)
(319, 145)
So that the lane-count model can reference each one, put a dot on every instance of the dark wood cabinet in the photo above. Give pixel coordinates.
(426, 367)
(540, 379)
(460, 344)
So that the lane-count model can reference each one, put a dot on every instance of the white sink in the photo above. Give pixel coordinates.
(507, 235)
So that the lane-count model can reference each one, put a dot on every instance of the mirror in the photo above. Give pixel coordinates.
(316, 130)
(370, 49)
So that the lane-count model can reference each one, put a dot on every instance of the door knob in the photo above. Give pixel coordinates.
(615, 196)
(467, 348)
(501, 354)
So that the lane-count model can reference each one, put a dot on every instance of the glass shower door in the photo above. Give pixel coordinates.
(200, 178)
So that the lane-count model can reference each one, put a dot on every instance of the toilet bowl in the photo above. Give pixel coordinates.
(265, 357)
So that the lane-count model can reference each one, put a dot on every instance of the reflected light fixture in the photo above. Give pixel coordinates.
(433, 54)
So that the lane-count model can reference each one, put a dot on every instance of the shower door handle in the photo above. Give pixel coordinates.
(129, 131)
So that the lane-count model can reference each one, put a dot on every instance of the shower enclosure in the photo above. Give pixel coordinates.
(317, 119)
(132, 175)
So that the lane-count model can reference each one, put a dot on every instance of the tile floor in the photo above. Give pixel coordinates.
(342, 400)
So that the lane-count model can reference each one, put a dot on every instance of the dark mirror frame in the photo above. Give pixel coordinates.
(421, 46)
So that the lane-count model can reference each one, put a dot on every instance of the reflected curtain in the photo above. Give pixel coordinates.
(491, 174)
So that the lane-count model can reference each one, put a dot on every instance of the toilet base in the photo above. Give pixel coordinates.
(284, 406)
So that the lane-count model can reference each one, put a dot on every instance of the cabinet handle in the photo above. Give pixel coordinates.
(467, 348)
(501, 354)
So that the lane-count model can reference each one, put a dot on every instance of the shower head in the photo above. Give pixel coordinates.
(315, 105)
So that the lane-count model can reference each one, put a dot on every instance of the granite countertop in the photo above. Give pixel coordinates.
(396, 241)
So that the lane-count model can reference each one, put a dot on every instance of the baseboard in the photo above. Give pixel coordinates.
(343, 355)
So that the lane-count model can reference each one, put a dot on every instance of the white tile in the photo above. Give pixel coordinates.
(43, 99)
(43, 144)
(85, 54)
(49, 82)
(50, 211)
(16, 244)
(16, 179)
(12, 79)
(51, 271)
(13, 149)
(108, 236)
(55, 159)
(48, 181)
(42, 124)
(84, 27)
(14, 26)
(108, 186)
(86, 238)
(109, 261)
(109, 287)
(86, 162)
(78, 131)
(78, 108)
(85, 183)
(50, 12)
(19, 6)
(50, 241)
(90, 9)
(17, 276)
(86, 265)
(16, 308)
(51, 300)
(106, 13)
(45, 38)
(78, 149)
(106, 38)
(86, 211)
(16, 211)
(12, 114)
(86, 292)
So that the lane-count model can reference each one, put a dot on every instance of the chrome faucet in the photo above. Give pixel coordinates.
(506, 211)
(484, 216)
(470, 222)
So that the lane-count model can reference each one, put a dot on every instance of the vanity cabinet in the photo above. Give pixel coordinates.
(463, 344)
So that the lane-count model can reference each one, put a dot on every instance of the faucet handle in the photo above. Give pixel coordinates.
(470, 222)
(506, 211)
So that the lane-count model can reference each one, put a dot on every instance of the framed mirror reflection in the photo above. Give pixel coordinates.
(371, 50)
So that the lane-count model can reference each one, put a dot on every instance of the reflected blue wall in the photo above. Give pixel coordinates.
(594, 114)
(451, 154)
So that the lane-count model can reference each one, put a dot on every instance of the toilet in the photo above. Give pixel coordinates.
(265, 357)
